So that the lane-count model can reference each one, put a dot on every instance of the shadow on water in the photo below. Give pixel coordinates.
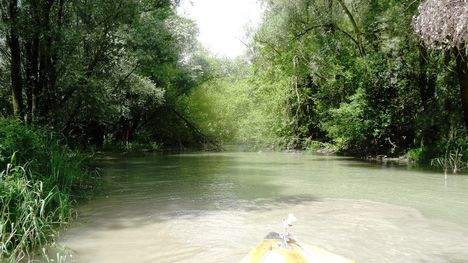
(402, 164)
(144, 190)
(155, 189)
(213, 207)
(393, 164)
(197, 207)
(137, 214)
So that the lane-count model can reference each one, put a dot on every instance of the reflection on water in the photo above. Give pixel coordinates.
(214, 207)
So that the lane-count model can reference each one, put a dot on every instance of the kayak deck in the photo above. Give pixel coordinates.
(274, 249)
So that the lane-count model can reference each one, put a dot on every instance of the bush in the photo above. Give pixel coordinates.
(347, 127)
(416, 154)
(39, 181)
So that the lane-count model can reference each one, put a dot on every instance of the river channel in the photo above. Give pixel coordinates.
(215, 207)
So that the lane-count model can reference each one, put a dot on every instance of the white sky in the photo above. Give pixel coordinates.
(222, 23)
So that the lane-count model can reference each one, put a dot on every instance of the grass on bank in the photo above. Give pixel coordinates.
(40, 180)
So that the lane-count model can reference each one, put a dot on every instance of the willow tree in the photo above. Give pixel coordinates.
(443, 24)
(95, 68)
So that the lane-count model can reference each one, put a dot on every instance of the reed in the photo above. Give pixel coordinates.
(453, 158)
(40, 180)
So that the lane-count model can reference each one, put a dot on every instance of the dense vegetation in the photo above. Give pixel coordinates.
(39, 181)
(362, 77)
(99, 71)
(351, 73)
(366, 76)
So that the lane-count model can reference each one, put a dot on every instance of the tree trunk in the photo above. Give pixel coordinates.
(422, 78)
(32, 59)
(427, 84)
(42, 95)
(15, 69)
(203, 138)
(462, 71)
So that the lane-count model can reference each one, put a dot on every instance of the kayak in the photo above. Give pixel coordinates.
(281, 248)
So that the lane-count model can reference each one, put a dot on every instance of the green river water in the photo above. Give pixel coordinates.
(215, 207)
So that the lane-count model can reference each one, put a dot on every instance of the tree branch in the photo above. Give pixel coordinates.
(355, 27)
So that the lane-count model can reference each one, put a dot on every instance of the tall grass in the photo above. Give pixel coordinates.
(39, 180)
(450, 153)
(454, 157)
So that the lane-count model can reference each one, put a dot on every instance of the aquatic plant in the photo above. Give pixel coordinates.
(453, 158)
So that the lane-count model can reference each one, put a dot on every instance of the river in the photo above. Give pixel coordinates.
(215, 207)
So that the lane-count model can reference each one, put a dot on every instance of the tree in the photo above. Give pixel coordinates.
(10, 16)
(95, 68)
(443, 24)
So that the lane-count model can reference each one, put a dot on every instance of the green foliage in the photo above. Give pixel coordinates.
(26, 219)
(40, 178)
(99, 69)
(237, 108)
(347, 125)
(132, 74)
(416, 154)
(356, 76)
